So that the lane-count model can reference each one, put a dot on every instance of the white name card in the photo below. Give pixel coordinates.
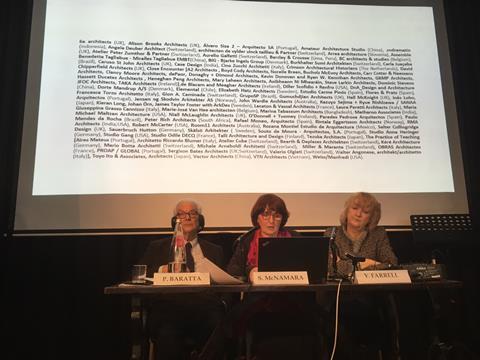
(193, 278)
(382, 277)
(280, 278)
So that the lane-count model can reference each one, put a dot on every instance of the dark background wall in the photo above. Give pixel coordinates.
(52, 287)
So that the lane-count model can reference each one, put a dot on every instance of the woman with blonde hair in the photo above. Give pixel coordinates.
(362, 332)
(360, 235)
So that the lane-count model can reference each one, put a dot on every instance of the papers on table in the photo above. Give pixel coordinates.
(217, 275)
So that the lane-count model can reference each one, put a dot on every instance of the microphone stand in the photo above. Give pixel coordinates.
(334, 251)
(355, 260)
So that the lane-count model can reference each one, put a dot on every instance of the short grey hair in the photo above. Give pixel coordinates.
(365, 201)
(189, 201)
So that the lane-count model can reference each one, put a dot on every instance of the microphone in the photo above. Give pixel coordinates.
(241, 237)
(334, 251)
(333, 234)
(355, 259)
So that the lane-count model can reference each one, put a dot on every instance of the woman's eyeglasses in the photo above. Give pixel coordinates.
(269, 213)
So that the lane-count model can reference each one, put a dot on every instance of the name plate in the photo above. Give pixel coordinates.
(280, 278)
(382, 277)
(192, 278)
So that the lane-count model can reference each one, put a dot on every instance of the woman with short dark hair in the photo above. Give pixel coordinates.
(269, 202)
(269, 215)
(291, 313)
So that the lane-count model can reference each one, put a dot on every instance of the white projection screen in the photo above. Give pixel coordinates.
(133, 105)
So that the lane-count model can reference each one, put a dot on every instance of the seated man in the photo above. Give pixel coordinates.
(180, 324)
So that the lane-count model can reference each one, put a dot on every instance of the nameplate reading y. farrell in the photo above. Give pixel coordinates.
(194, 278)
(280, 278)
(382, 277)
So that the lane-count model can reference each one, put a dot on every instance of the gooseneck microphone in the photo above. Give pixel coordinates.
(354, 257)
(334, 251)
(355, 260)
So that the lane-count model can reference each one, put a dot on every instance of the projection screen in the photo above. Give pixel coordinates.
(133, 105)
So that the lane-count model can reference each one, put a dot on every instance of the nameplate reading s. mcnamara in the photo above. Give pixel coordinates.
(280, 278)
(382, 277)
(193, 278)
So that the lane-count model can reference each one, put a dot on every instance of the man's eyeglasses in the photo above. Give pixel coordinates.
(191, 214)
(267, 214)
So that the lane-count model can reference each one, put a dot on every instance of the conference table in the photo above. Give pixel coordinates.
(140, 294)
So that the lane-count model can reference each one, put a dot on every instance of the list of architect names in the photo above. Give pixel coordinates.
(168, 100)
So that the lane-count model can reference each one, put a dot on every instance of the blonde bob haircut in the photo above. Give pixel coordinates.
(367, 202)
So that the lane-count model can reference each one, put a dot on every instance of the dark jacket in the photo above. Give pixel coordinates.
(177, 321)
(158, 253)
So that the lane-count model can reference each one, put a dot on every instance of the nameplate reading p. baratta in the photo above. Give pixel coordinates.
(382, 277)
(280, 278)
(193, 278)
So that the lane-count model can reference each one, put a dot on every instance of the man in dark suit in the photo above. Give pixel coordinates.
(182, 323)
